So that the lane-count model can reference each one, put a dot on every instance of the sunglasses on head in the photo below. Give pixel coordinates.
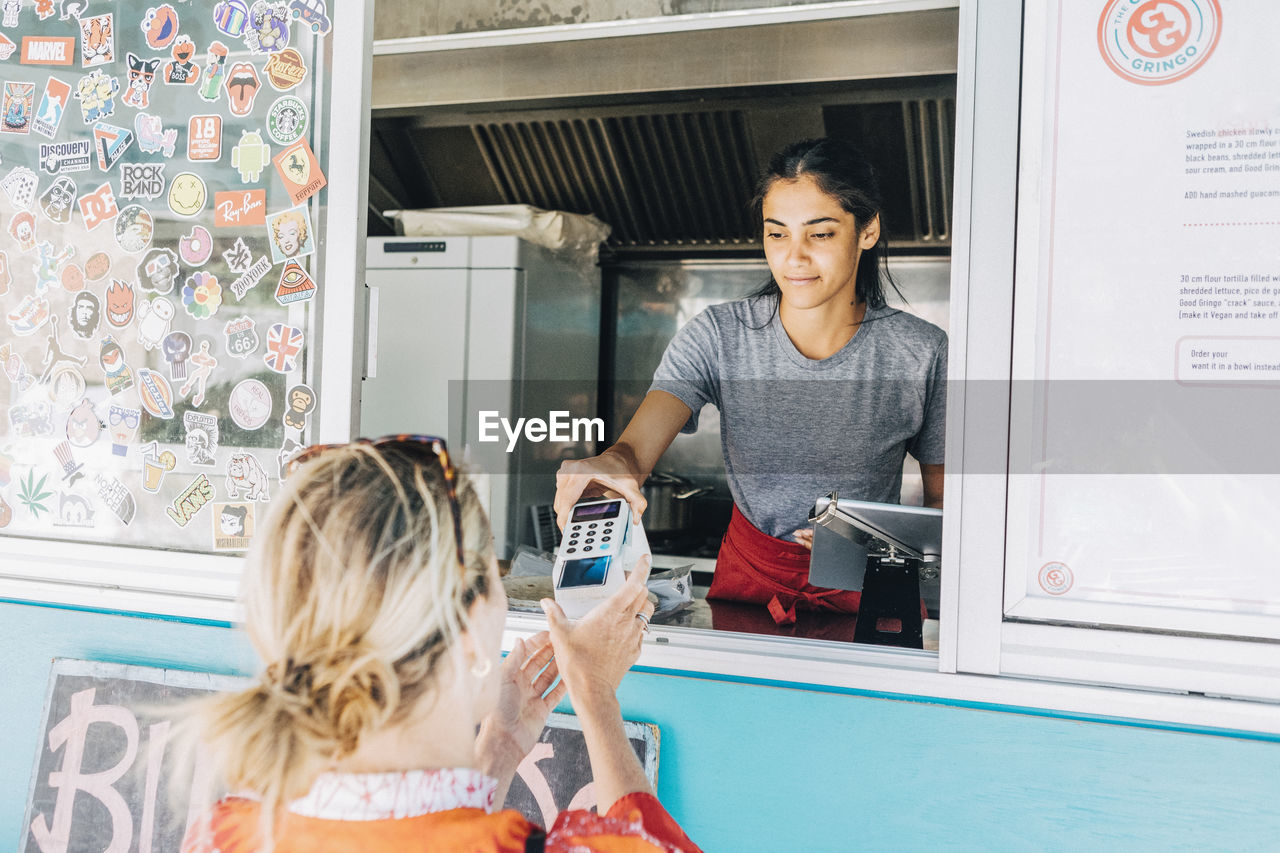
(432, 442)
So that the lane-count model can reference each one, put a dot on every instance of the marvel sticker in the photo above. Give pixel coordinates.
(74, 510)
(232, 526)
(66, 385)
(110, 143)
(300, 171)
(154, 318)
(239, 207)
(71, 470)
(176, 348)
(120, 303)
(158, 270)
(187, 195)
(57, 202)
(47, 262)
(141, 180)
(153, 137)
(238, 257)
(250, 156)
(242, 337)
(98, 207)
(182, 71)
(299, 402)
(215, 67)
(97, 41)
(11, 9)
(122, 424)
(20, 186)
(32, 313)
(60, 157)
(248, 279)
(48, 50)
(96, 92)
(83, 426)
(246, 478)
(190, 501)
(242, 87)
(287, 120)
(285, 70)
(155, 464)
(295, 285)
(7, 47)
(204, 138)
(284, 346)
(73, 278)
(196, 247)
(201, 295)
(267, 29)
(22, 227)
(119, 376)
(142, 73)
(290, 234)
(195, 384)
(85, 315)
(116, 496)
(97, 266)
(19, 100)
(202, 437)
(160, 26)
(249, 404)
(155, 393)
(53, 103)
(134, 227)
(230, 16)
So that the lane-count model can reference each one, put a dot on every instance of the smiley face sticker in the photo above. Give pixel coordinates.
(187, 194)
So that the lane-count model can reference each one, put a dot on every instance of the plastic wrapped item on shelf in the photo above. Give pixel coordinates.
(573, 234)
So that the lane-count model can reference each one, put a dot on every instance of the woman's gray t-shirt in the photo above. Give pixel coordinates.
(794, 428)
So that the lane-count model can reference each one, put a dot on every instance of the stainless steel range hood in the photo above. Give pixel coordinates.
(662, 135)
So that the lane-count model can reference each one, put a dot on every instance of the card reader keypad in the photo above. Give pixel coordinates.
(583, 537)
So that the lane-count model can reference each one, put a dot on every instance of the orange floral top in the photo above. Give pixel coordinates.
(438, 810)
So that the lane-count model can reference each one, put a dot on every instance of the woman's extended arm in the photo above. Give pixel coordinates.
(624, 466)
(933, 479)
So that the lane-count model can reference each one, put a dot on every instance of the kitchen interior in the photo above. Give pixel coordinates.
(659, 137)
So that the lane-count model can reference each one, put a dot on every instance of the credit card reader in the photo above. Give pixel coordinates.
(599, 545)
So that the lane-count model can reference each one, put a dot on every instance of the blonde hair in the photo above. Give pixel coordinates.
(352, 593)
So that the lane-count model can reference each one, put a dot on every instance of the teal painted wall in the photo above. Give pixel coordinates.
(749, 767)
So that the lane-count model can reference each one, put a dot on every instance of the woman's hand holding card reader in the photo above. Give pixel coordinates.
(600, 544)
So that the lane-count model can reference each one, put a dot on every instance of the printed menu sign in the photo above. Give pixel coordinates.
(1148, 302)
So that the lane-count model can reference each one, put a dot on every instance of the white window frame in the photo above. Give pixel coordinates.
(203, 587)
(982, 659)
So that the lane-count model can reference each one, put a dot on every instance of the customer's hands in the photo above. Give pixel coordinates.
(597, 650)
(610, 471)
(524, 703)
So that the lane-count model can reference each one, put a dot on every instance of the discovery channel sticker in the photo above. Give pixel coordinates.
(250, 404)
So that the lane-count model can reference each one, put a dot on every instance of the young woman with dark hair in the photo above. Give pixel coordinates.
(820, 385)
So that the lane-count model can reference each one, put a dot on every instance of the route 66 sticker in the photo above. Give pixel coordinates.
(242, 337)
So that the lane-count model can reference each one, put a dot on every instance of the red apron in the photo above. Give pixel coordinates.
(756, 568)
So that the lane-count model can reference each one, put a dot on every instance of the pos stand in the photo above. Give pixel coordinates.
(882, 550)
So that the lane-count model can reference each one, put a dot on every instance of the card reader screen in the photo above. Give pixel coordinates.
(595, 512)
(589, 571)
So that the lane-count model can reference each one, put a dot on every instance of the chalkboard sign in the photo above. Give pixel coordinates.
(108, 779)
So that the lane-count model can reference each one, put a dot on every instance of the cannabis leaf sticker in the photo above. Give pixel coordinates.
(32, 494)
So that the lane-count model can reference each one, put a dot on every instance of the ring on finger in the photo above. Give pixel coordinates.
(644, 620)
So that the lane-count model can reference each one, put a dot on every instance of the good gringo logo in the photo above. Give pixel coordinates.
(1153, 42)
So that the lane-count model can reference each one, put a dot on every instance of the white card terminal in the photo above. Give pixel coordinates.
(599, 545)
